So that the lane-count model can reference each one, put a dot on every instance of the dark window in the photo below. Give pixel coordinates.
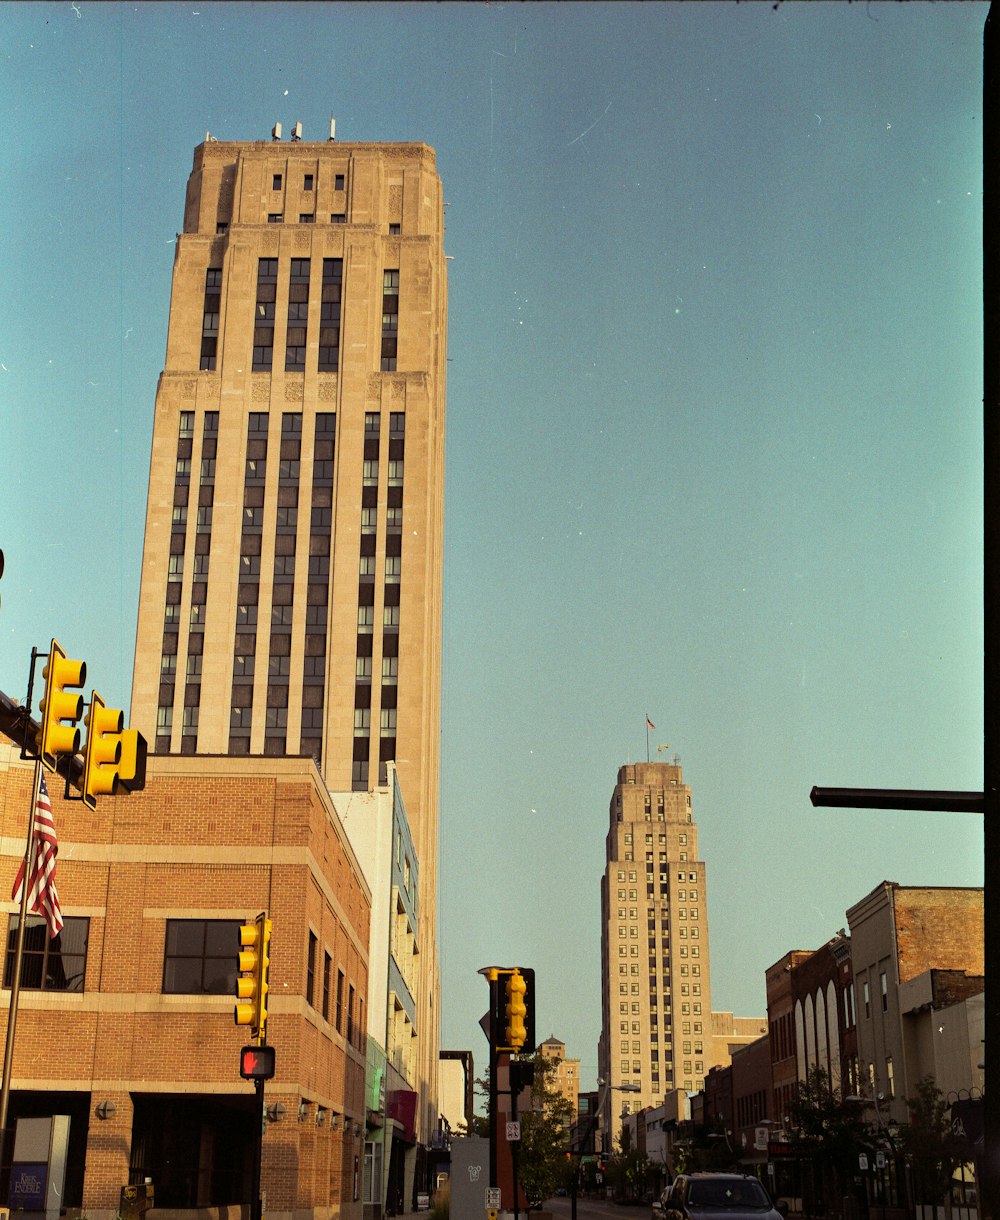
(340, 1001)
(338, 218)
(307, 182)
(350, 1015)
(311, 969)
(275, 182)
(275, 218)
(338, 182)
(222, 226)
(327, 963)
(306, 218)
(199, 956)
(56, 964)
(395, 230)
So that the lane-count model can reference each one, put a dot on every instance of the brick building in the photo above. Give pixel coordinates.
(132, 1003)
(899, 933)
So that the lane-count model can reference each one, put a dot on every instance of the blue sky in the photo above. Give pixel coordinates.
(714, 419)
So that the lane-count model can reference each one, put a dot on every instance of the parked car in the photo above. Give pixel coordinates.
(660, 1204)
(700, 1196)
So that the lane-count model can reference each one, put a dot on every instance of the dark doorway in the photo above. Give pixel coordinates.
(196, 1148)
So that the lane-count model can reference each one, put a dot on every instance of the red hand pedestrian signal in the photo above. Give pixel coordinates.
(257, 1062)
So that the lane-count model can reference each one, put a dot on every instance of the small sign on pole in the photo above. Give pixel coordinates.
(493, 1198)
(862, 1160)
(513, 1132)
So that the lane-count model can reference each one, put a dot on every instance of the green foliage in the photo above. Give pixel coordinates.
(542, 1162)
(935, 1150)
(630, 1172)
(829, 1131)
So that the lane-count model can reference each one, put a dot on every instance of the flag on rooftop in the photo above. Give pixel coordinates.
(649, 723)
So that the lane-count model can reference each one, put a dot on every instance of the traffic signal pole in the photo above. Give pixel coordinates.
(256, 1211)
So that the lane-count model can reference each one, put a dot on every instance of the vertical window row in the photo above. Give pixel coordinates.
(298, 316)
(175, 577)
(317, 590)
(329, 316)
(392, 574)
(248, 592)
(210, 318)
(390, 319)
(366, 603)
(199, 583)
(283, 584)
(263, 329)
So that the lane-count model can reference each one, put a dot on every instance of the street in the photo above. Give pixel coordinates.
(595, 1209)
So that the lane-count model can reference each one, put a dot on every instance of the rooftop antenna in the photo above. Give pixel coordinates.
(276, 132)
(333, 128)
(297, 131)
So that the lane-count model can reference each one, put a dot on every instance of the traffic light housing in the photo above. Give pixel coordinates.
(257, 1062)
(253, 961)
(515, 1011)
(132, 766)
(102, 751)
(58, 704)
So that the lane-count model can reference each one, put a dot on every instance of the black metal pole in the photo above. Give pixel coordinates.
(493, 1081)
(256, 1210)
(515, 1144)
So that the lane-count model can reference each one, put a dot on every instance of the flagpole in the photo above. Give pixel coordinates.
(15, 983)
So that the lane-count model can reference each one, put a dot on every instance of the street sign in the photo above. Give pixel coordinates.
(492, 1198)
(880, 1160)
(862, 1160)
(513, 1132)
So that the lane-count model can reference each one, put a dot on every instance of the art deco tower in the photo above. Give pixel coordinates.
(656, 1032)
(291, 575)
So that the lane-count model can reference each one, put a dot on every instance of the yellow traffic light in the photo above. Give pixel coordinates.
(102, 751)
(516, 1010)
(58, 705)
(132, 765)
(253, 961)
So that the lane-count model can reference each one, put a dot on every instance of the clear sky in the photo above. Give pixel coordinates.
(714, 419)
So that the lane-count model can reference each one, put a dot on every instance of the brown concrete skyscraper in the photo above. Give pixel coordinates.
(291, 575)
(656, 1031)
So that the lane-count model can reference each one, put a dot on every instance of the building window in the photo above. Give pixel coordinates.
(395, 230)
(338, 218)
(338, 182)
(307, 182)
(327, 965)
(340, 1002)
(275, 182)
(311, 969)
(390, 318)
(330, 301)
(200, 956)
(307, 218)
(275, 218)
(56, 964)
(866, 994)
(884, 983)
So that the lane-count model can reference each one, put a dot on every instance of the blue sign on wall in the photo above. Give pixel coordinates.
(27, 1186)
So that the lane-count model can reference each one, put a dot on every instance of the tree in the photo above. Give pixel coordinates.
(543, 1165)
(629, 1170)
(828, 1132)
(934, 1148)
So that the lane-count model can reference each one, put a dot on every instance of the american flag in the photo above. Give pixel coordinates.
(42, 896)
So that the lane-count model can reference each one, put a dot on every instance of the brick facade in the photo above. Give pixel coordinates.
(209, 839)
